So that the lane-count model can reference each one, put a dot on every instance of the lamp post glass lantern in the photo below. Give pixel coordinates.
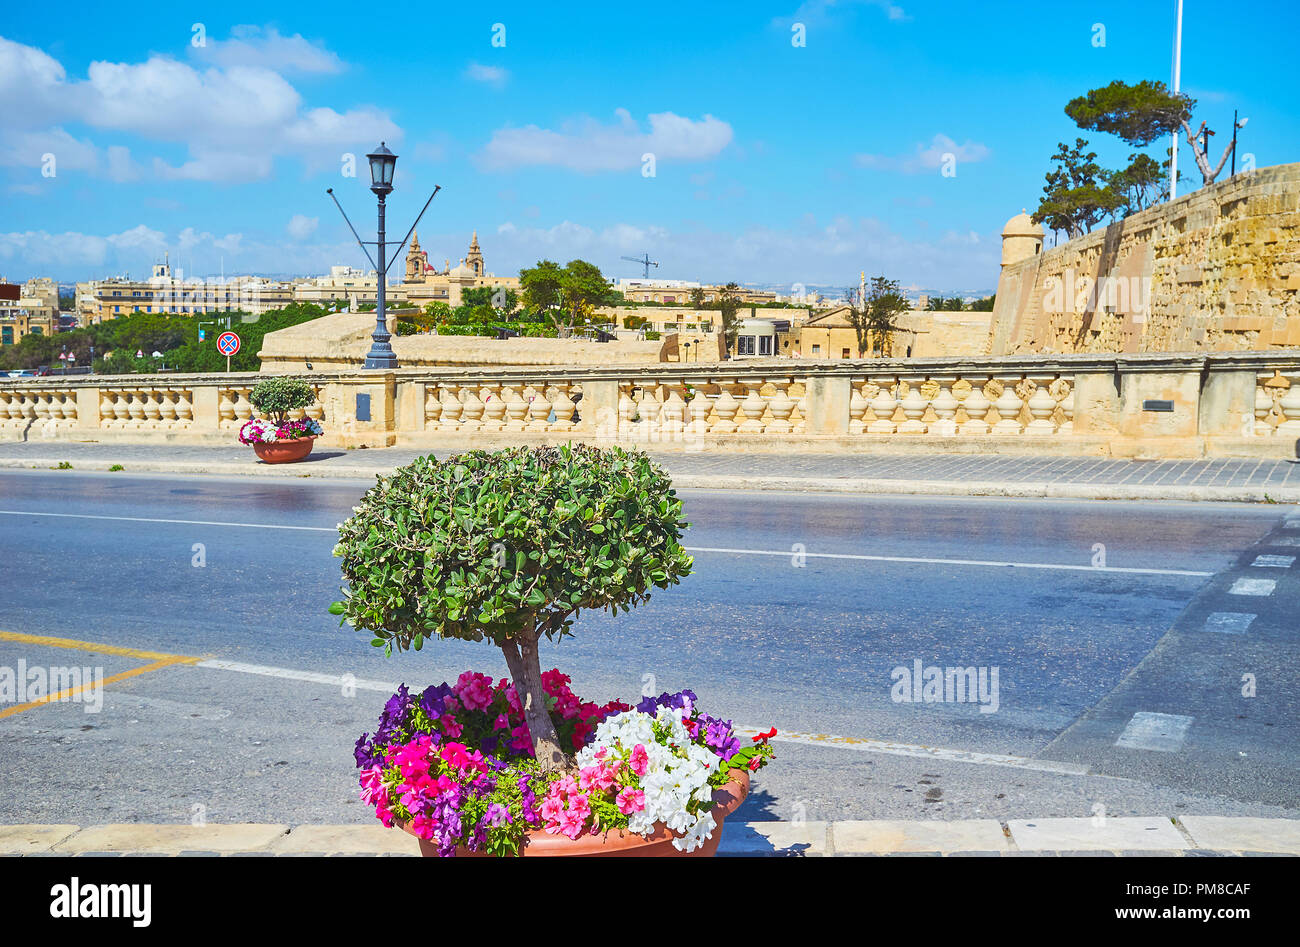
(381, 354)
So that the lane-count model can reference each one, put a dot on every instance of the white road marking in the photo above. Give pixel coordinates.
(1253, 587)
(1229, 623)
(1282, 541)
(333, 680)
(860, 744)
(1163, 733)
(864, 745)
(919, 560)
(947, 562)
(1274, 562)
(145, 519)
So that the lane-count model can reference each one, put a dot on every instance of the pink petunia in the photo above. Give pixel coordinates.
(630, 800)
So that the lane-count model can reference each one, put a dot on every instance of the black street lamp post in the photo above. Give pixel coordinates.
(381, 354)
(382, 163)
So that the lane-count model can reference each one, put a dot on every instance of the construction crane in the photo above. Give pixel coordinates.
(646, 262)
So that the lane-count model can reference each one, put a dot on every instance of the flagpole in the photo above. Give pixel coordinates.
(1178, 71)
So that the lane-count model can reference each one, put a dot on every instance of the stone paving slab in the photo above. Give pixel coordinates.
(1256, 835)
(1217, 479)
(25, 839)
(894, 836)
(168, 839)
(346, 839)
(1141, 833)
(1128, 836)
(773, 838)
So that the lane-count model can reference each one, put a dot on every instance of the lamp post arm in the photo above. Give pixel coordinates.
(330, 192)
(436, 189)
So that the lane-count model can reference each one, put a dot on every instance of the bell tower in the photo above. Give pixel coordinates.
(414, 261)
(474, 259)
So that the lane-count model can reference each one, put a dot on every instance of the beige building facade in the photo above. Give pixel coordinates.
(424, 283)
(101, 300)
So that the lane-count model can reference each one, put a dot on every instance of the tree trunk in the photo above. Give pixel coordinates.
(526, 672)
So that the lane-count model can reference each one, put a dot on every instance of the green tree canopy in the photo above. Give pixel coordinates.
(1077, 194)
(507, 547)
(1142, 112)
(875, 317)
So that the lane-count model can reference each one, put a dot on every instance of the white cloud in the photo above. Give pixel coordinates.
(819, 11)
(76, 255)
(28, 149)
(926, 157)
(825, 252)
(119, 164)
(587, 145)
(301, 227)
(234, 120)
(255, 46)
(492, 75)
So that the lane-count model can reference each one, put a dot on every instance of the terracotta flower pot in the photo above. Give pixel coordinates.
(284, 452)
(659, 844)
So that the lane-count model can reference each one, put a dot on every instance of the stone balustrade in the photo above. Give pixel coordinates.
(1235, 404)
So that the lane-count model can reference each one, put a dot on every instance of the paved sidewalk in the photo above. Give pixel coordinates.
(962, 475)
(1154, 835)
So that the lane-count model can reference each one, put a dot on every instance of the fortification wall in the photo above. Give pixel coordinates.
(1215, 270)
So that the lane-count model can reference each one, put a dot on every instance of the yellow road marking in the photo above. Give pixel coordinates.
(47, 642)
(158, 659)
(72, 691)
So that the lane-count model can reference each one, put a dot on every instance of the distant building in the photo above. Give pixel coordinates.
(425, 283)
(99, 300)
(678, 292)
(345, 284)
(29, 309)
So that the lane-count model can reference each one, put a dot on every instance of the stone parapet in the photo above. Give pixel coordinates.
(1145, 405)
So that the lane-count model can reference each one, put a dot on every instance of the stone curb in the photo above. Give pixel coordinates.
(842, 485)
(1149, 835)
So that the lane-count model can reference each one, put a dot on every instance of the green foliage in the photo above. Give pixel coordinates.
(728, 303)
(1138, 113)
(504, 301)
(176, 336)
(278, 395)
(875, 318)
(492, 545)
(1143, 183)
(1077, 194)
(984, 305)
(945, 304)
(115, 468)
(567, 294)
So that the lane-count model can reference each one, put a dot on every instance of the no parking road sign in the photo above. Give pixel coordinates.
(227, 345)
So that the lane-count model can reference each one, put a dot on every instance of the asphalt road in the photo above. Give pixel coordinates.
(800, 609)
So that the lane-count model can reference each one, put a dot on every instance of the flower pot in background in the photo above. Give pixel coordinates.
(283, 452)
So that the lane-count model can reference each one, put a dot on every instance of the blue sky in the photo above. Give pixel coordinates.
(775, 163)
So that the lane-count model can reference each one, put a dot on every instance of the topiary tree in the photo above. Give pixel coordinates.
(508, 546)
(280, 394)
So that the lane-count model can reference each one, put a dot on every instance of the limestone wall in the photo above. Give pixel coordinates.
(340, 342)
(1216, 270)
